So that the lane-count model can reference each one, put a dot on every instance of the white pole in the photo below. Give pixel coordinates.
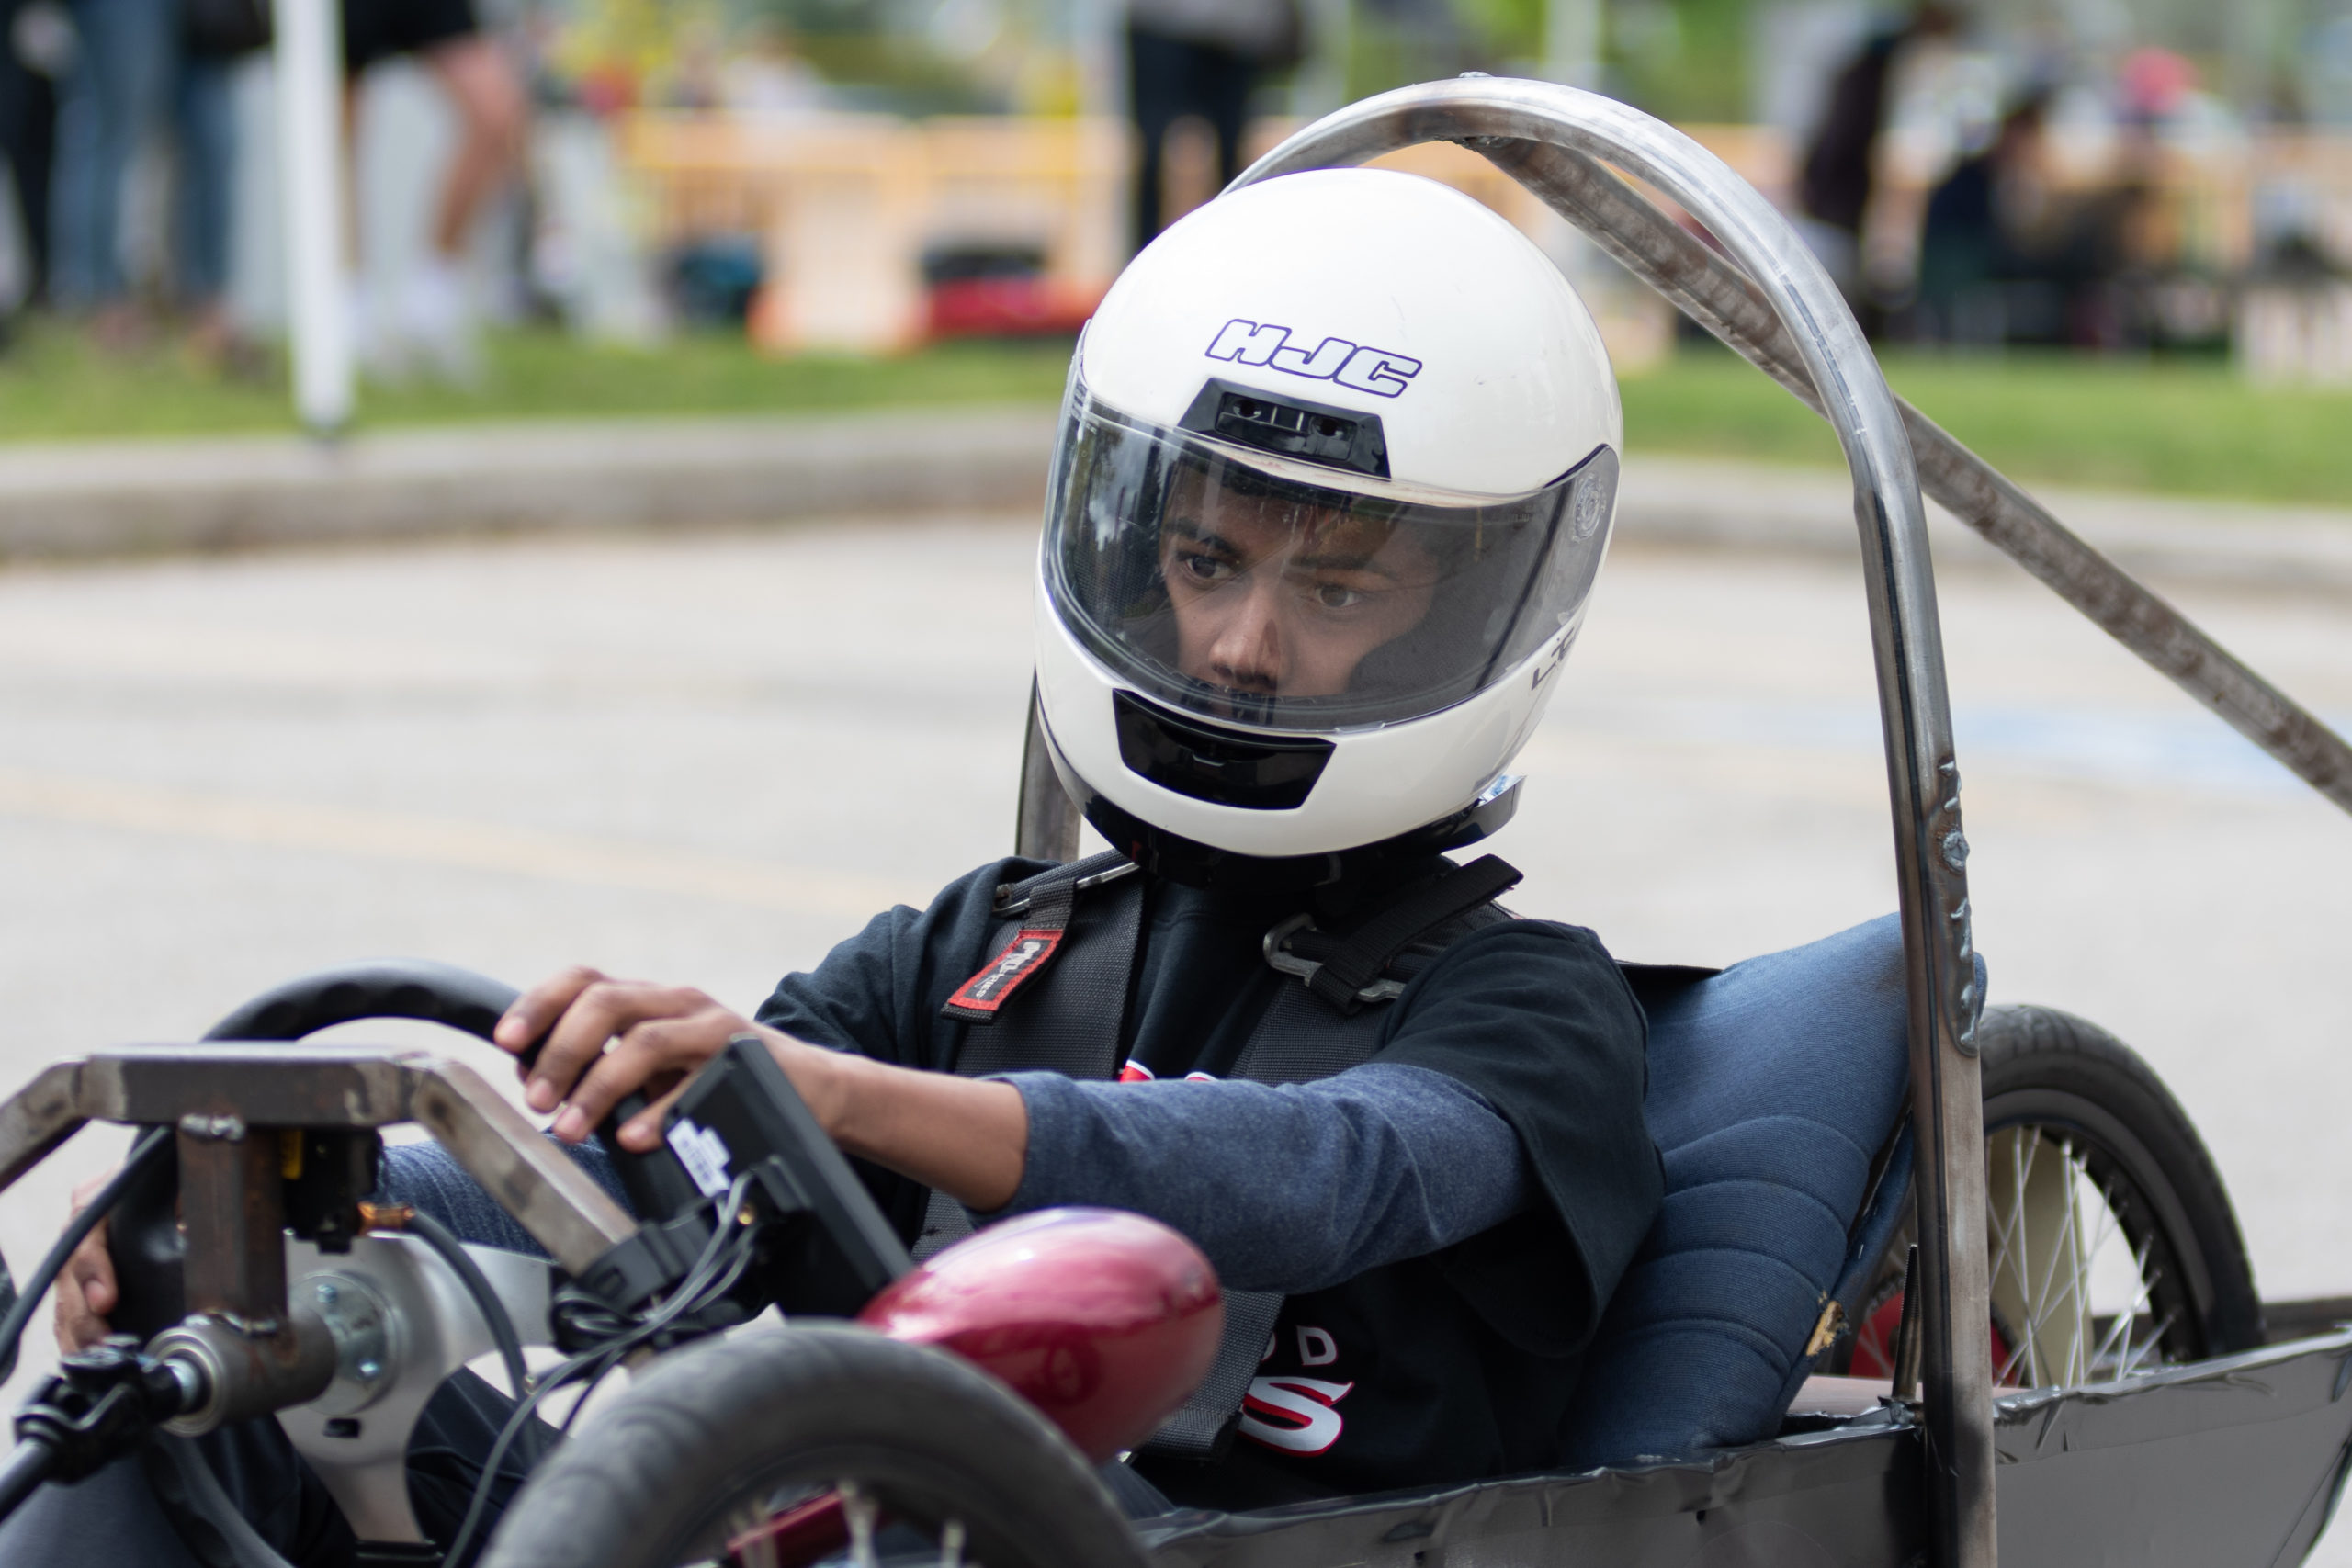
(310, 163)
(1572, 41)
(1321, 84)
(1572, 54)
(1098, 44)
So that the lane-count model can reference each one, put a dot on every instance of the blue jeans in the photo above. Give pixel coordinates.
(131, 79)
(205, 118)
(115, 95)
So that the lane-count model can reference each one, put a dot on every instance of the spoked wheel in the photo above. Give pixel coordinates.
(777, 1447)
(2111, 1244)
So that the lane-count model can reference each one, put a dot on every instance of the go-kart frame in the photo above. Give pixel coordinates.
(2238, 1457)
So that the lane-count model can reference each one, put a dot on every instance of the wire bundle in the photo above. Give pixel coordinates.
(716, 1271)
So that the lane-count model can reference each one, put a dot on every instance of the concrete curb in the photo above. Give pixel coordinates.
(65, 502)
(85, 501)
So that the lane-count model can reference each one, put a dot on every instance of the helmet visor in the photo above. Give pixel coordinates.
(1252, 588)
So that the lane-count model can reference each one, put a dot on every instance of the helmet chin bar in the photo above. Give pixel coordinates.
(1178, 858)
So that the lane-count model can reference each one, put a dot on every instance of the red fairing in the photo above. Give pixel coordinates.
(1105, 1321)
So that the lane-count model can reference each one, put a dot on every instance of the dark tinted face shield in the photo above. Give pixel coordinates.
(1252, 588)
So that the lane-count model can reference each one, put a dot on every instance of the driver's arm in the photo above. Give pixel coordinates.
(1288, 1188)
(606, 1039)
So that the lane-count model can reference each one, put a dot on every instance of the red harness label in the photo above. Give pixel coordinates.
(981, 997)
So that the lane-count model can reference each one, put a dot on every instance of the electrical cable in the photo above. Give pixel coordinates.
(494, 1316)
(587, 1391)
(706, 1281)
(12, 1328)
(697, 1289)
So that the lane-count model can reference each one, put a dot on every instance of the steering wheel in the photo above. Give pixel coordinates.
(143, 1235)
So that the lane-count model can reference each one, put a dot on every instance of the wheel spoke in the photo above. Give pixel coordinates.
(859, 1510)
(2044, 1255)
(2153, 1342)
(2068, 1260)
(2036, 1291)
(2120, 1335)
(752, 1546)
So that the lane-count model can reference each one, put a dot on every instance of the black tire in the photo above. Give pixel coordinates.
(2090, 1093)
(716, 1428)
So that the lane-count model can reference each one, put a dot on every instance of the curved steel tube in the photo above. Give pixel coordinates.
(1716, 295)
(1923, 779)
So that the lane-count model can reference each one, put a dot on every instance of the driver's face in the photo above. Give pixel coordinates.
(1277, 598)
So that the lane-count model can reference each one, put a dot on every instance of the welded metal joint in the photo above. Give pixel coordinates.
(224, 1129)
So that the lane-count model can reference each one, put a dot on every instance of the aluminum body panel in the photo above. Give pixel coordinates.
(2229, 1461)
(2235, 1460)
(1846, 1497)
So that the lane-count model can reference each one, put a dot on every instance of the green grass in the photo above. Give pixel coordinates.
(53, 385)
(2187, 426)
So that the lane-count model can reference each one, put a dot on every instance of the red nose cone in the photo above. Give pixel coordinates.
(1105, 1321)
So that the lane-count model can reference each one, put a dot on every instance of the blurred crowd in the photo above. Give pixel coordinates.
(1969, 177)
(87, 85)
(1966, 191)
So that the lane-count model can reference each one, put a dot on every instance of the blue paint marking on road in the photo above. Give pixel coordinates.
(2169, 751)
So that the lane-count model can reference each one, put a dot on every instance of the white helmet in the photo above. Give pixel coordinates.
(1337, 469)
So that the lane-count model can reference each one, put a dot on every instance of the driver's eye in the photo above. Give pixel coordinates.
(1336, 595)
(1205, 568)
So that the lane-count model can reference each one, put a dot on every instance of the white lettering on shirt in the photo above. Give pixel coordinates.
(1293, 1413)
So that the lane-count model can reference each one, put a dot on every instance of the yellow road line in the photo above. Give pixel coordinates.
(432, 840)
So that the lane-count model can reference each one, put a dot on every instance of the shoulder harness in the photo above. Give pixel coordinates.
(1064, 951)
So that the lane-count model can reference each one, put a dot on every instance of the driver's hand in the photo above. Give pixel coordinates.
(607, 1038)
(86, 1289)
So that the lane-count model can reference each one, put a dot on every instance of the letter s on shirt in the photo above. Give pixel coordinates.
(1294, 1414)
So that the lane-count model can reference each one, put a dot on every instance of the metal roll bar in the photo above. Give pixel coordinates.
(1548, 136)
(1792, 309)
(1766, 297)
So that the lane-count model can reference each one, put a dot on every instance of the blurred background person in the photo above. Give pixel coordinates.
(1984, 247)
(1833, 185)
(431, 324)
(115, 94)
(1198, 57)
(140, 67)
(214, 35)
(36, 48)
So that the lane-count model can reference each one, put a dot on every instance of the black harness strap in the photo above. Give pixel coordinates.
(1024, 948)
(1346, 966)
(1300, 1038)
(1198, 1429)
(1069, 1027)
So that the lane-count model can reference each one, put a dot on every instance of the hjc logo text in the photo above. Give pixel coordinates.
(1375, 370)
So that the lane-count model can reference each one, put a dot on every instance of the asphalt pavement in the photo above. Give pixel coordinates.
(704, 756)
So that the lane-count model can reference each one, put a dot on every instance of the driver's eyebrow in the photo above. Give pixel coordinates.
(1345, 563)
(1185, 529)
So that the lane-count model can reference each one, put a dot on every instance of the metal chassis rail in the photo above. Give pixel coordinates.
(219, 1096)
